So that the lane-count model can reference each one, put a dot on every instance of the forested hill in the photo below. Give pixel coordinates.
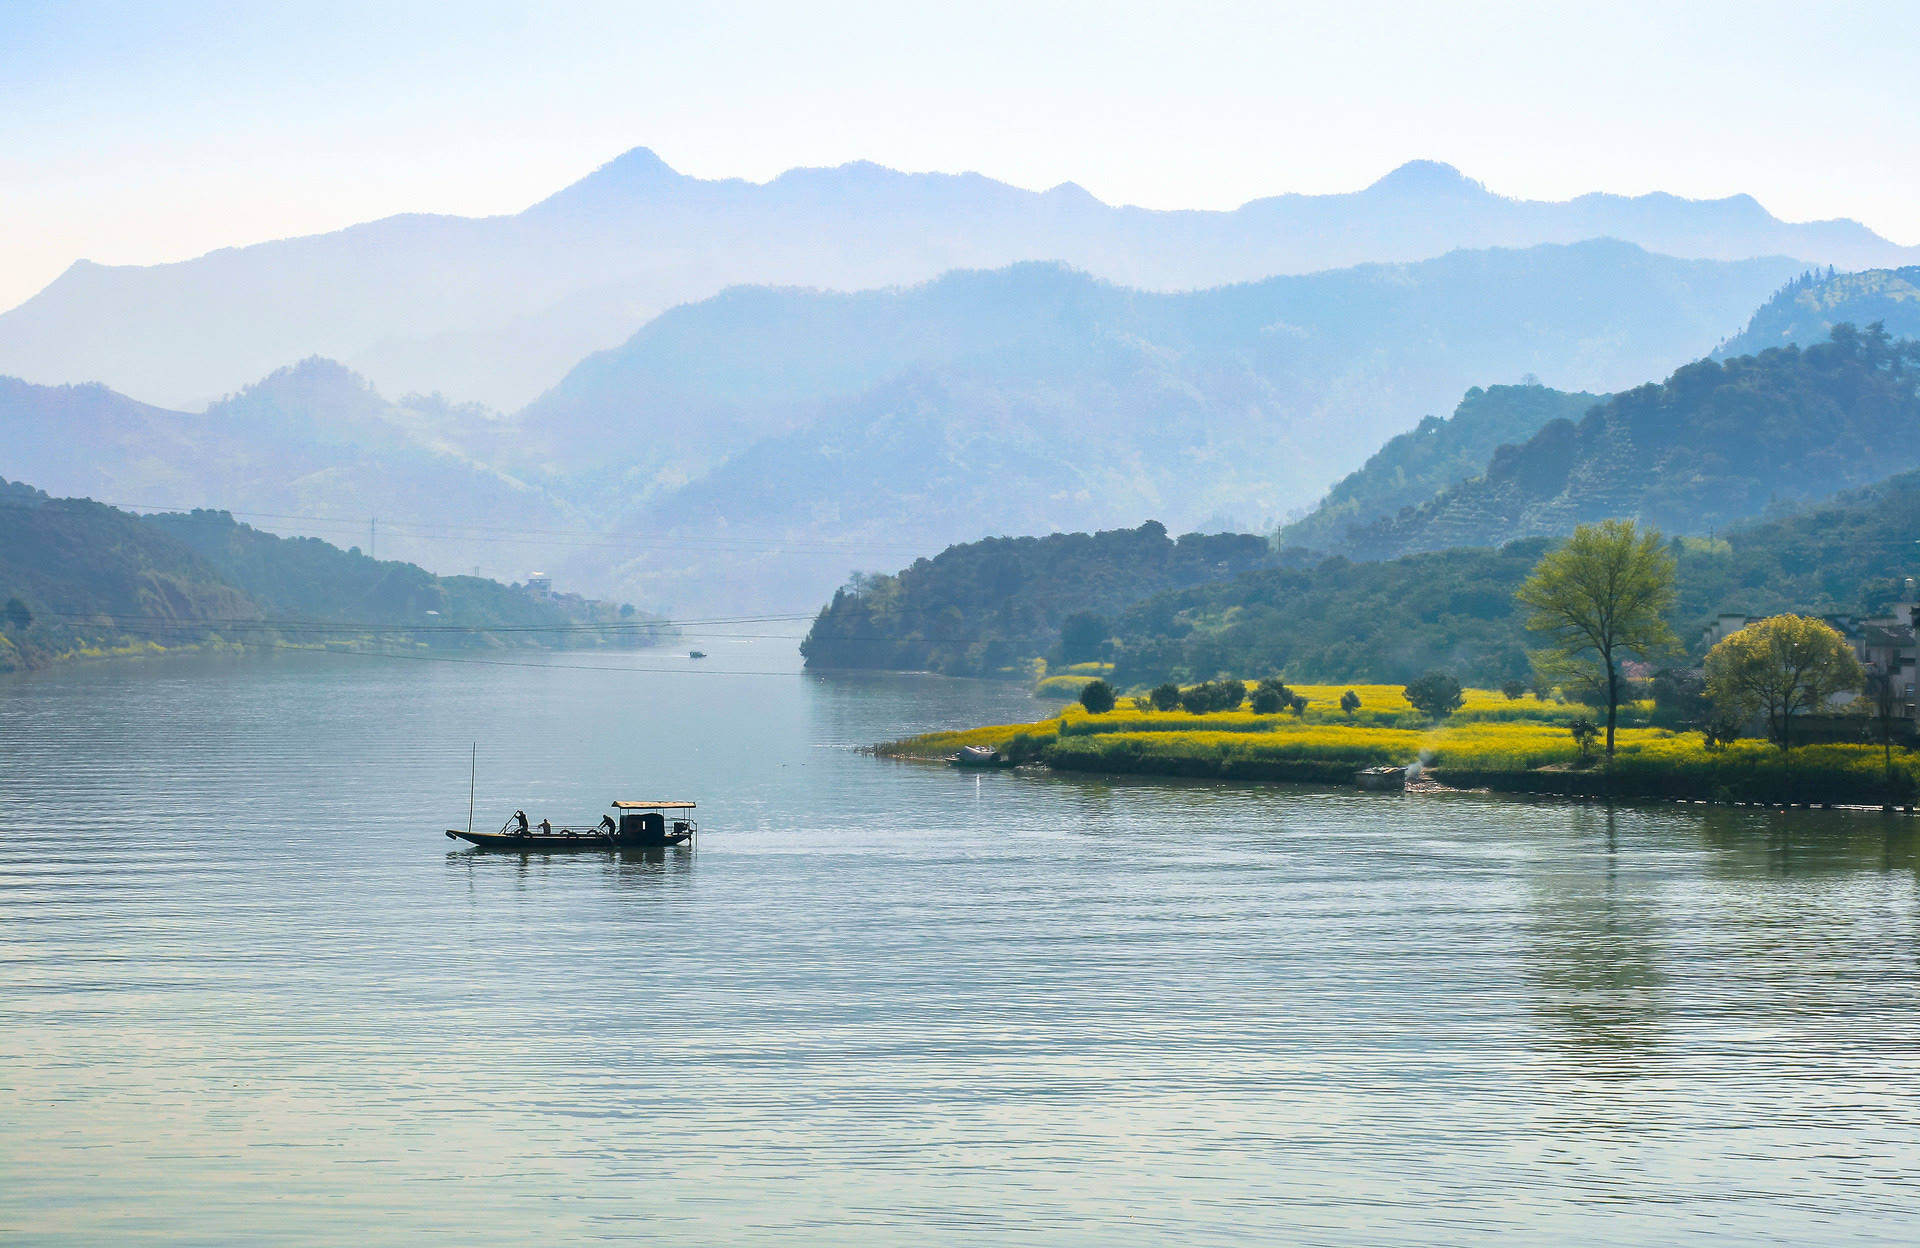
(1335, 620)
(1418, 464)
(1805, 310)
(1454, 609)
(87, 578)
(984, 607)
(1715, 443)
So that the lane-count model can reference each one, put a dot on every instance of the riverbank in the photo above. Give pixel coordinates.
(1506, 745)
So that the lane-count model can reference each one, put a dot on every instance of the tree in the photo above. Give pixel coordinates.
(1514, 689)
(1597, 599)
(1165, 697)
(1435, 695)
(1883, 697)
(1584, 731)
(1680, 698)
(1349, 703)
(17, 615)
(1271, 696)
(1783, 666)
(1082, 636)
(1097, 697)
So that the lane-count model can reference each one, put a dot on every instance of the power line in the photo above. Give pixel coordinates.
(517, 535)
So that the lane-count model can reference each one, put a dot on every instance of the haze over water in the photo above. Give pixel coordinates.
(249, 992)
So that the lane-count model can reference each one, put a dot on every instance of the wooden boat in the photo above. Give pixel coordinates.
(1388, 778)
(979, 756)
(640, 825)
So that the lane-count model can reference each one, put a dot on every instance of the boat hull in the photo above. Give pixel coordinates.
(1385, 779)
(560, 842)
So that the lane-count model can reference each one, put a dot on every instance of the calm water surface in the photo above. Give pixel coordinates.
(250, 993)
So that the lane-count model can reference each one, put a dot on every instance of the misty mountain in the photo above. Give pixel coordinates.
(311, 448)
(1718, 441)
(495, 309)
(1807, 308)
(1036, 398)
(1414, 466)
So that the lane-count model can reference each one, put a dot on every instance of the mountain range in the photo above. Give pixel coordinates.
(497, 309)
(745, 451)
(1039, 398)
(310, 449)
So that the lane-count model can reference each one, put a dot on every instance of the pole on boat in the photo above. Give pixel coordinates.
(473, 767)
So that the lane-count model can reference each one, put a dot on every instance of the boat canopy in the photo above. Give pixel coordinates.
(653, 805)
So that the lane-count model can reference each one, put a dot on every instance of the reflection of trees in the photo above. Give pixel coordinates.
(1805, 844)
(1593, 957)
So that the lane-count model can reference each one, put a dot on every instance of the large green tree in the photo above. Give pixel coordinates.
(1598, 599)
(1784, 666)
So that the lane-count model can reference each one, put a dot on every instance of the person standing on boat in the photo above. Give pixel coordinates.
(606, 822)
(521, 817)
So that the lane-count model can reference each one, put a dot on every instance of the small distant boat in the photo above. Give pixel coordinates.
(1391, 778)
(979, 756)
(641, 825)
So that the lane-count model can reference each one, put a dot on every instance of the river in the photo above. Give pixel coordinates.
(250, 993)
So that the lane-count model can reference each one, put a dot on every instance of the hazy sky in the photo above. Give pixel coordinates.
(153, 131)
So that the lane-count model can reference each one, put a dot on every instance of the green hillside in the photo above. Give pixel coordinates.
(1718, 442)
(986, 607)
(1418, 464)
(1335, 620)
(1805, 310)
(93, 579)
(1454, 609)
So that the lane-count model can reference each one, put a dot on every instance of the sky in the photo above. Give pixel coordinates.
(155, 131)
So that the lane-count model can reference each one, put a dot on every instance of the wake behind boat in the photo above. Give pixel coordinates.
(641, 825)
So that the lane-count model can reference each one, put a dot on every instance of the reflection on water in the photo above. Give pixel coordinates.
(1593, 955)
(250, 995)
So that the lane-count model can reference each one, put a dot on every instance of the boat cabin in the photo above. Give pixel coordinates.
(654, 823)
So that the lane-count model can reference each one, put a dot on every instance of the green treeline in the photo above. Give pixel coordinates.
(1391, 621)
(988, 607)
(91, 579)
(1455, 611)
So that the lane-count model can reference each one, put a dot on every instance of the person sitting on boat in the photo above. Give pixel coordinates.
(606, 822)
(520, 817)
(546, 827)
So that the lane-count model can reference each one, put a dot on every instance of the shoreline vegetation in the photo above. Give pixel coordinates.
(1510, 745)
(81, 580)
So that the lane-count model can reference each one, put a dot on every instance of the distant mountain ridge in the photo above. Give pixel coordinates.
(497, 308)
(311, 445)
(1036, 398)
